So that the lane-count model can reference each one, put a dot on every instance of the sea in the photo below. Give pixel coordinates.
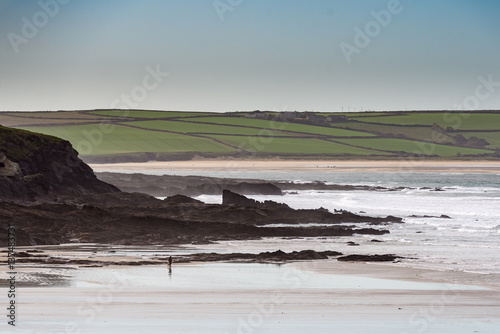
(451, 220)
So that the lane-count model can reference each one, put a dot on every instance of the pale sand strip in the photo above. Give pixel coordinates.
(390, 271)
(308, 165)
(259, 311)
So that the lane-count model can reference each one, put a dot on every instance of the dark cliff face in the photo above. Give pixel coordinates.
(39, 167)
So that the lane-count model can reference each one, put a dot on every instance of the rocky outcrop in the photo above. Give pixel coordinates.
(139, 219)
(22, 237)
(231, 198)
(369, 258)
(35, 167)
(181, 199)
(427, 216)
(277, 256)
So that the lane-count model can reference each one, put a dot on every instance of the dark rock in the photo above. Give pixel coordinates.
(266, 257)
(369, 258)
(125, 218)
(352, 243)
(231, 198)
(40, 167)
(426, 216)
(22, 254)
(255, 189)
(277, 256)
(181, 199)
(371, 231)
(22, 237)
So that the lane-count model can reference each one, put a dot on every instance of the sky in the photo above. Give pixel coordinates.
(235, 55)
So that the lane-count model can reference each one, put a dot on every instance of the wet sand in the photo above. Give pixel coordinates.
(318, 297)
(243, 311)
(308, 165)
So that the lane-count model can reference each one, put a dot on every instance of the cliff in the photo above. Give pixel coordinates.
(36, 167)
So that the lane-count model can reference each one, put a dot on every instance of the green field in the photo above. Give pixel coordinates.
(282, 126)
(197, 128)
(414, 147)
(288, 146)
(422, 133)
(458, 121)
(173, 135)
(90, 140)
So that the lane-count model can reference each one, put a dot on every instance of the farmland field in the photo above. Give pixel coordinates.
(283, 126)
(136, 134)
(422, 133)
(409, 146)
(299, 146)
(189, 127)
(465, 121)
(90, 140)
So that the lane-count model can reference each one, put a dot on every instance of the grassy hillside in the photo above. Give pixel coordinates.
(19, 145)
(134, 135)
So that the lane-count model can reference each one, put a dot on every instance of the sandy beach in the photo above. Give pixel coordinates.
(317, 297)
(399, 166)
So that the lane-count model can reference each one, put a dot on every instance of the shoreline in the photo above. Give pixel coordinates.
(400, 166)
(315, 295)
(109, 256)
(405, 273)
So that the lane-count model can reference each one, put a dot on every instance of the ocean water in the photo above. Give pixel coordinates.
(468, 241)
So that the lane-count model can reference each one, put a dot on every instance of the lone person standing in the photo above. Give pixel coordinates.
(170, 260)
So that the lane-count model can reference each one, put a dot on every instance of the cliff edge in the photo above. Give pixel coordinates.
(36, 167)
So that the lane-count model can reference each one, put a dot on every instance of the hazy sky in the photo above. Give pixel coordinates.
(227, 55)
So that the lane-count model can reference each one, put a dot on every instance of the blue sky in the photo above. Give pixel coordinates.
(226, 55)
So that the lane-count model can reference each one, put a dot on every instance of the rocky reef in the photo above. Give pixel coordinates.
(138, 219)
(52, 197)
